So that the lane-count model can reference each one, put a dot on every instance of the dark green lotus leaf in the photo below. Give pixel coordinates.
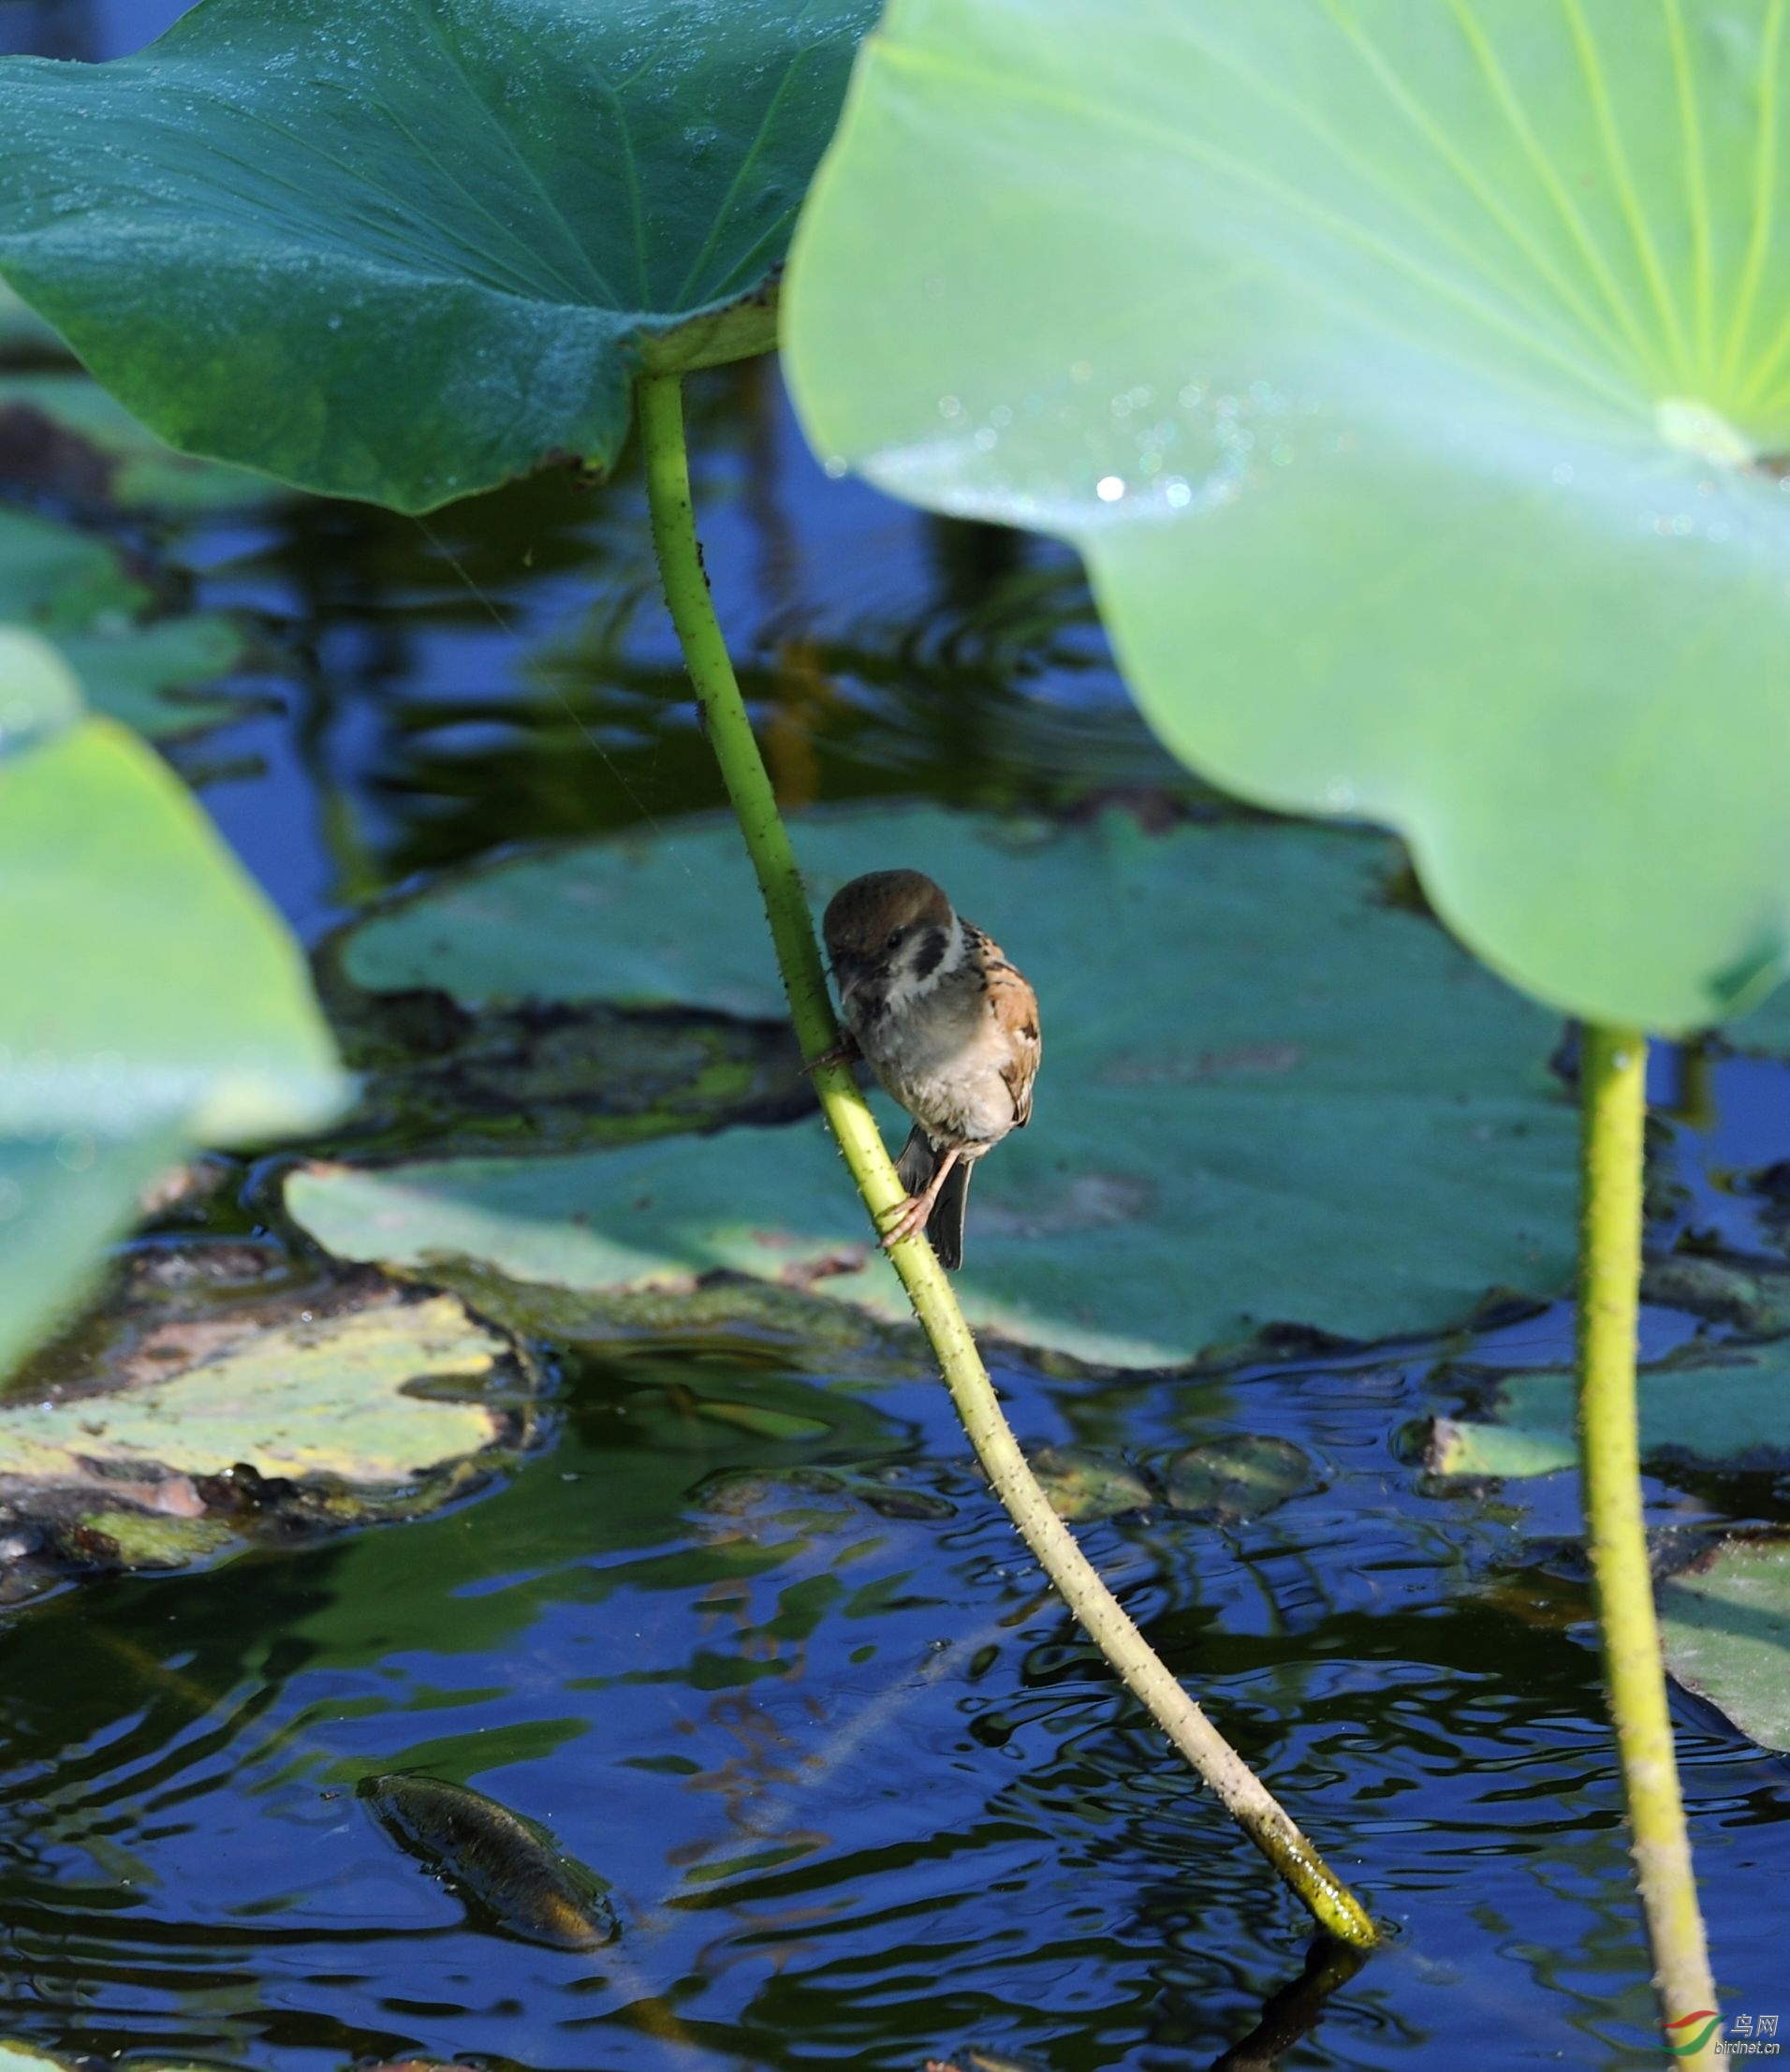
(150, 998)
(1414, 379)
(62, 434)
(1725, 1625)
(406, 249)
(1314, 1110)
(1729, 1411)
(1240, 1476)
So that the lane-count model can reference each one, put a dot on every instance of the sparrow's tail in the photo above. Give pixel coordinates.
(944, 1226)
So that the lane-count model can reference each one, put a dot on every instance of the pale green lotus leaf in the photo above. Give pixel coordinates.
(24, 2057)
(1415, 381)
(1726, 1624)
(39, 694)
(147, 980)
(151, 999)
(1267, 1095)
(62, 1200)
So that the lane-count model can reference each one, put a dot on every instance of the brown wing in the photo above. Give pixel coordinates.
(1014, 1006)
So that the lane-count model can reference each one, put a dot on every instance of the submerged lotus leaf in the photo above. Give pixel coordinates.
(1414, 380)
(1267, 1094)
(1088, 1483)
(101, 1539)
(62, 581)
(79, 589)
(1241, 1476)
(1751, 1297)
(321, 1399)
(561, 1078)
(406, 249)
(61, 431)
(155, 679)
(1725, 1625)
(1734, 1413)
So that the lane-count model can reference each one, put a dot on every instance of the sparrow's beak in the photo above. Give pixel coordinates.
(848, 972)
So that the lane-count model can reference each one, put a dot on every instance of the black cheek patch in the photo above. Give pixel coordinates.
(931, 954)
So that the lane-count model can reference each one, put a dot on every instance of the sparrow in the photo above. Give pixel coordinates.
(948, 1026)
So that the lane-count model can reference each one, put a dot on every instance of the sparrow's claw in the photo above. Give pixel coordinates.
(905, 1218)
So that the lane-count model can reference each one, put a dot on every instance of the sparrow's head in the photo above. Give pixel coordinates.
(890, 929)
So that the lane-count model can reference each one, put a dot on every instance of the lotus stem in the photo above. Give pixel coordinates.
(729, 732)
(1613, 1093)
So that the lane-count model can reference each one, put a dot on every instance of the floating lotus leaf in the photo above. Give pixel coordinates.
(1725, 1625)
(1267, 1095)
(404, 252)
(327, 1398)
(1415, 381)
(1734, 1414)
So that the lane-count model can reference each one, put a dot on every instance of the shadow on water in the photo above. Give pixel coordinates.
(751, 1638)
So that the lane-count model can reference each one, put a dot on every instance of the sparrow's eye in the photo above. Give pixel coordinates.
(895, 936)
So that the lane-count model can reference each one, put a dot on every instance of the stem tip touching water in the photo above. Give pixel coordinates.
(729, 731)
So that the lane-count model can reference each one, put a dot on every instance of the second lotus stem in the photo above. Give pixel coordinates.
(1613, 1098)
